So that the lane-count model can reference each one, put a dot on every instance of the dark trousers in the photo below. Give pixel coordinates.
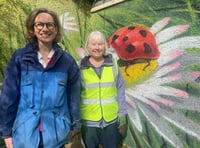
(41, 142)
(108, 137)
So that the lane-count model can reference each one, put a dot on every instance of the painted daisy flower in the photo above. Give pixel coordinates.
(151, 91)
(67, 23)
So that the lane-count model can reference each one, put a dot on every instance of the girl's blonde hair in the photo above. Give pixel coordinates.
(96, 35)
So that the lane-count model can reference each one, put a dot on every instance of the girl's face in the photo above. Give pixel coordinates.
(96, 47)
(44, 28)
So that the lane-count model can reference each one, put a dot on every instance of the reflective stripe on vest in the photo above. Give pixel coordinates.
(99, 95)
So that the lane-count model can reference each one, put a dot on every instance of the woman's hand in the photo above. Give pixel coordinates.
(122, 121)
(74, 135)
(122, 130)
(8, 142)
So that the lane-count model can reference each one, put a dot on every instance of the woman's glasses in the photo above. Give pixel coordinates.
(40, 25)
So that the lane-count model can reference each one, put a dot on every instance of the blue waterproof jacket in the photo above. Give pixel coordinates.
(31, 94)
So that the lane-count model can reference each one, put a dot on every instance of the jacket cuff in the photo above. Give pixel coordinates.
(5, 134)
(76, 126)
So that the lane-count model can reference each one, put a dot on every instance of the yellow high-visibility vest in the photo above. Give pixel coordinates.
(99, 95)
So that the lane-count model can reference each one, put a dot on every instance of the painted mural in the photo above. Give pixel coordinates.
(157, 44)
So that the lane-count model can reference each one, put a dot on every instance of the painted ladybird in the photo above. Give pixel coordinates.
(134, 44)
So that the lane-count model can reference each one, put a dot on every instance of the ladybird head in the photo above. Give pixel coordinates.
(134, 42)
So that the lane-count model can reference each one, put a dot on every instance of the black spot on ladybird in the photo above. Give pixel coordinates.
(147, 49)
(131, 27)
(143, 33)
(125, 38)
(114, 38)
(130, 48)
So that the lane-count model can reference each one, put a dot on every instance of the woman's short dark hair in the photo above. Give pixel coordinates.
(30, 24)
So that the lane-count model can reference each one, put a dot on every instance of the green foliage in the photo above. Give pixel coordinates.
(2, 145)
(12, 30)
(194, 51)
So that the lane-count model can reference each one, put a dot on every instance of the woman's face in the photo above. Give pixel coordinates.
(96, 47)
(44, 28)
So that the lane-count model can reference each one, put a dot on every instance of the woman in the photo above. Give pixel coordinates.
(40, 97)
(103, 105)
